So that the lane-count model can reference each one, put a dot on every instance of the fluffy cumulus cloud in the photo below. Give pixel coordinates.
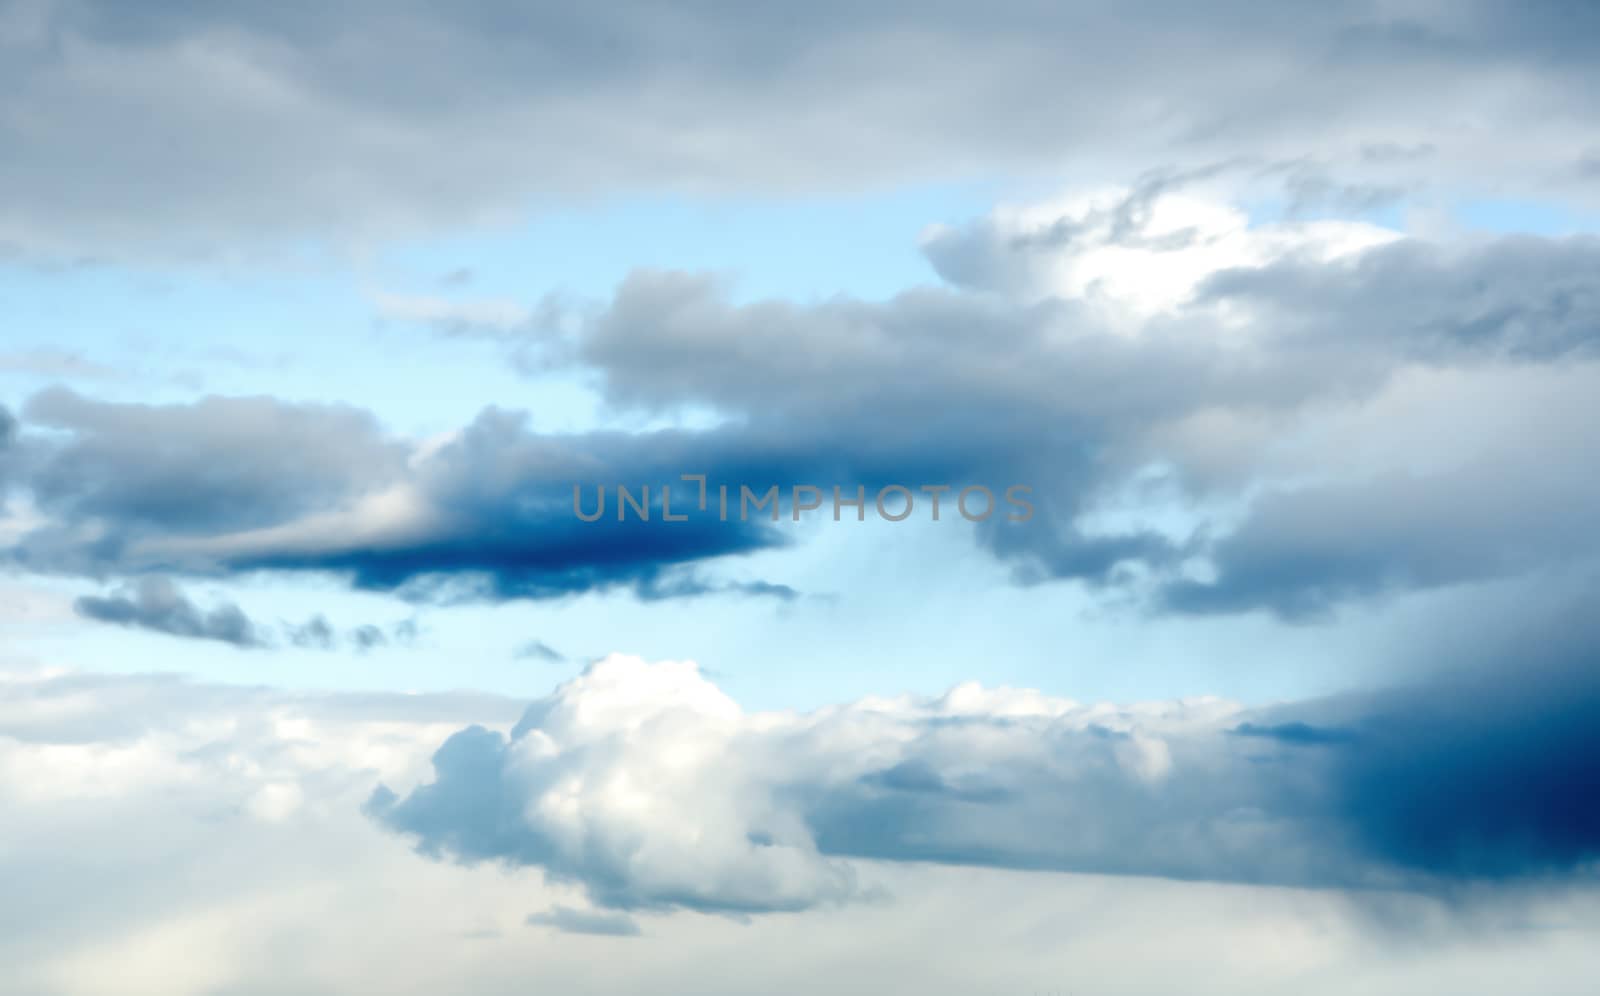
(238, 837)
(640, 789)
(650, 788)
(622, 782)
(368, 117)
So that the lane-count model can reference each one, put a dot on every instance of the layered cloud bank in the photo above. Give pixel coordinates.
(641, 787)
(375, 118)
(650, 788)
(238, 838)
(1213, 414)
(1459, 805)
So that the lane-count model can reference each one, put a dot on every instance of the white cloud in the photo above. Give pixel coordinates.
(652, 788)
(233, 859)
(1135, 253)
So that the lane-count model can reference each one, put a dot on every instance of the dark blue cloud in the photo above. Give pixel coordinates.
(1300, 733)
(1491, 778)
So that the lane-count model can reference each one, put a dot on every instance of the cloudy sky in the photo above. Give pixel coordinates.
(1182, 574)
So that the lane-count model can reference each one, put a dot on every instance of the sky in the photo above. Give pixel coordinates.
(1268, 663)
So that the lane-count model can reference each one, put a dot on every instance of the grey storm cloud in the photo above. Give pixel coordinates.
(215, 464)
(374, 117)
(1514, 298)
(159, 605)
(1304, 551)
(934, 386)
(1477, 775)
(228, 485)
